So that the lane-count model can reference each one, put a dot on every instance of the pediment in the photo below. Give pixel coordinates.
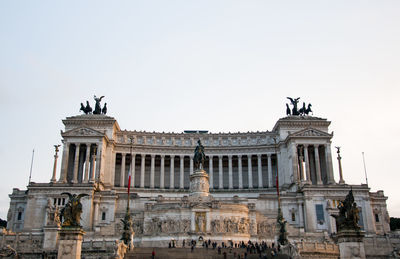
(82, 132)
(311, 132)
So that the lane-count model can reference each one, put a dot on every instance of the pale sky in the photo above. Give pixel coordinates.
(213, 65)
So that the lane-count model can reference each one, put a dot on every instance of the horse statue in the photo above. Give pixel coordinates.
(87, 109)
(288, 110)
(71, 213)
(305, 111)
(199, 156)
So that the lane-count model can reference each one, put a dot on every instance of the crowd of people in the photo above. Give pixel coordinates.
(251, 247)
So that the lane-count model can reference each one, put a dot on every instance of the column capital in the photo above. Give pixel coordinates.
(249, 156)
(269, 154)
(182, 156)
(162, 156)
(259, 155)
(230, 156)
(123, 154)
(239, 156)
(172, 156)
(210, 156)
(153, 156)
(220, 156)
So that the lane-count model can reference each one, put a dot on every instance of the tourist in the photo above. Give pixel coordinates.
(153, 254)
(183, 243)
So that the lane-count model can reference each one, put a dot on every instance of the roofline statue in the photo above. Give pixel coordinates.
(304, 110)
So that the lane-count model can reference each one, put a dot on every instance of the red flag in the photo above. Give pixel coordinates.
(129, 181)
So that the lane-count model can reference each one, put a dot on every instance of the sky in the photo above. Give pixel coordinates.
(222, 66)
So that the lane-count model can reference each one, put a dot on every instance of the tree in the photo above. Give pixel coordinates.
(394, 223)
(3, 223)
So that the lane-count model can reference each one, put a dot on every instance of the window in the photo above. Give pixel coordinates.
(103, 216)
(319, 209)
(63, 201)
(19, 217)
(376, 217)
(293, 216)
(55, 201)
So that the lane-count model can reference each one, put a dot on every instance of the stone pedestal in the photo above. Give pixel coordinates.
(351, 244)
(199, 185)
(50, 239)
(70, 243)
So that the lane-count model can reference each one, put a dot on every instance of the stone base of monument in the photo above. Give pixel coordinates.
(199, 185)
(70, 243)
(351, 244)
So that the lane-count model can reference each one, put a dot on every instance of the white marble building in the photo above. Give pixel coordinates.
(242, 167)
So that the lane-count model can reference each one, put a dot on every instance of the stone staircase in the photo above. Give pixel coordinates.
(198, 253)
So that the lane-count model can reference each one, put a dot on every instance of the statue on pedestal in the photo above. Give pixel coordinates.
(199, 156)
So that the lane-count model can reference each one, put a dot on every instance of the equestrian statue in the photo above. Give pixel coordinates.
(199, 156)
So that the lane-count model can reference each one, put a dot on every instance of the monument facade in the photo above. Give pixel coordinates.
(226, 194)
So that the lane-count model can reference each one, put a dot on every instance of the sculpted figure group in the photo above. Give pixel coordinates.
(348, 214)
(71, 213)
(295, 111)
(97, 109)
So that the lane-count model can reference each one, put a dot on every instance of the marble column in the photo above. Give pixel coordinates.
(259, 165)
(142, 170)
(153, 157)
(240, 172)
(329, 166)
(87, 163)
(64, 163)
(300, 163)
(307, 164)
(191, 164)
(123, 170)
(162, 171)
(133, 170)
(270, 183)
(98, 163)
(317, 164)
(53, 178)
(301, 219)
(211, 171)
(295, 163)
(171, 174)
(220, 182)
(249, 171)
(93, 173)
(76, 163)
(182, 160)
(230, 172)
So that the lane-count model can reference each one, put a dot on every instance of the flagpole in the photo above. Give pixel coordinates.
(30, 172)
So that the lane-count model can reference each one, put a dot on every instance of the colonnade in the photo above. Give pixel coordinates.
(173, 171)
(80, 162)
(314, 164)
